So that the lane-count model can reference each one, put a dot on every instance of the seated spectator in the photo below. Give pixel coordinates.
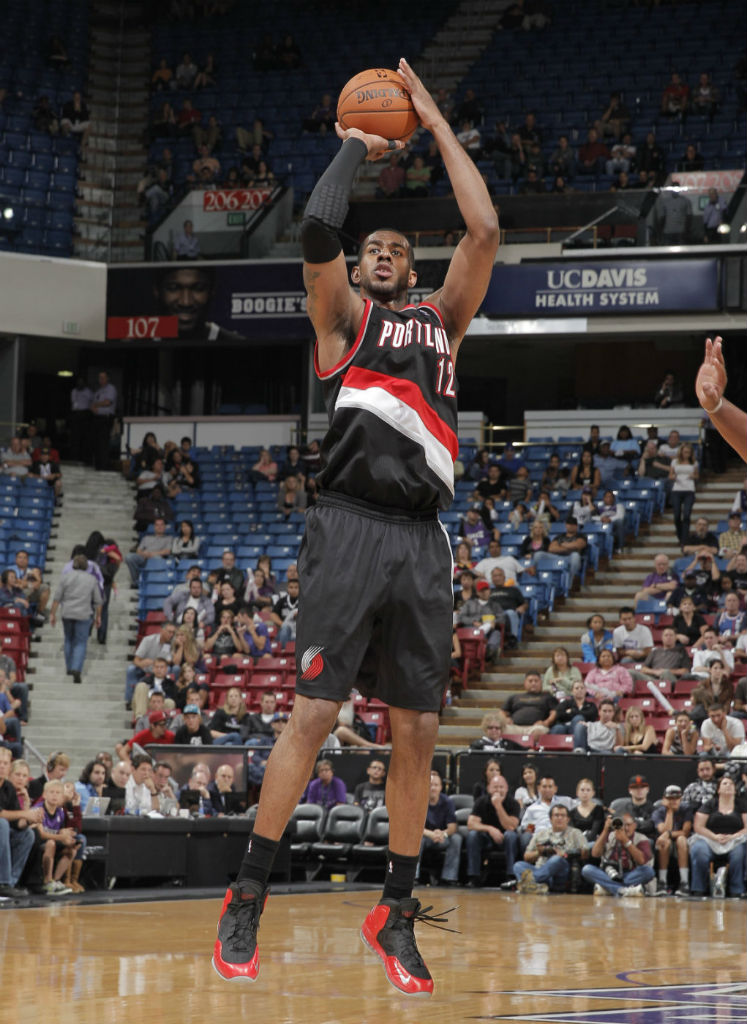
(668, 661)
(705, 97)
(570, 546)
(226, 640)
(76, 120)
(689, 625)
(528, 792)
(719, 827)
(653, 464)
(681, 739)
(291, 496)
(195, 796)
(519, 486)
(12, 595)
(536, 544)
(223, 795)
(186, 247)
(255, 633)
(608, 465)
(704, 787)
(186, 72)
(371, 794)
(738, 569)
(688, 587)
(583, 507)
(162, 77)
(492, 825)
(265, 469)
(16, 461)
(229, 572)
(230, 722)
(732, 621)
(596, 638)
(417, 178)
(602, 736)
(548, 857)
(533, 183)
(563, 159)
(493, 726)
(469, 139)
(193, 732)
(205, 77)
(709, 649)
(532, 711)
(258, 762)
(639, 806)
(155, 545)
(537, 814)
(495, 559)
(660, 582)
(615, 120)
(560, 675)
(473, 528)
(587, 814)
(185, 543)
(716, 688)
(510, 462)
(691, 160)
(156, 696)
(92, 782)
(156, 733)
(58, 841)
(675, 98)
(721, 732)
(638, 737)
(490, 486)
(612, 511)
(608, 680)
(733, 540)
(259, 591)
(326, 789)
(511, 600)
(544, 510)
(151, 507)
(592, 155)
(440, 832)
(622, 156)
(701, 540)
(487, 614)
(707, 578)
(29, 579)
(632, 640)
(285, 612)
(575, 710)
(227, 598)
(626, 859)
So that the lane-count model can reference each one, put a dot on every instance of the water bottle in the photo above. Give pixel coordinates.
(201, 808)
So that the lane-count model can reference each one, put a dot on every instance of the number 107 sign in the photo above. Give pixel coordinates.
(229, 199)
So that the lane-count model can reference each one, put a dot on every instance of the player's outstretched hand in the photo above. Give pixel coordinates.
(711, 380)
(425, 105)
(377, 145)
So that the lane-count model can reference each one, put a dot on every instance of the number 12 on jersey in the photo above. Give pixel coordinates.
(445, 378)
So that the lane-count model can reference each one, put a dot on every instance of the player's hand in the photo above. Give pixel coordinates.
(711, 380)
(376, 145)
(425, 106)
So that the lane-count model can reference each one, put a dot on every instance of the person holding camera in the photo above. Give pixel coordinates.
(627, 859)
(549, 858)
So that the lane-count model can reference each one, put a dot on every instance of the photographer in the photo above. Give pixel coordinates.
(551, 854)
(627, 859)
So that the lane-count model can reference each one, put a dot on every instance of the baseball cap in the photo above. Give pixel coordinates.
(637, 780)
(673, 791)
(482, 585)
(156, 716)
(191, 709)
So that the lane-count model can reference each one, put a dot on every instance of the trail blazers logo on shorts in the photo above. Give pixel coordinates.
(312, 662)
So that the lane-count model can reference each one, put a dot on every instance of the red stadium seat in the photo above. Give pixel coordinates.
(681, 703)
(474, 648)
(641, 686)
(585, 667)
(523, 739)
(685, 686)
(552, 741)
(380, 720)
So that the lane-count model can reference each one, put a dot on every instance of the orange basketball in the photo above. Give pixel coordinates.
(377, 101)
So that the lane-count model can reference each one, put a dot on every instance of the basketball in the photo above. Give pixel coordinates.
(377, 101)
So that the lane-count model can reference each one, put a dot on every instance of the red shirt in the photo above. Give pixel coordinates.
(145, 736)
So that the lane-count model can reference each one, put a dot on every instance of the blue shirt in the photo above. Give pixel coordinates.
(440, 814)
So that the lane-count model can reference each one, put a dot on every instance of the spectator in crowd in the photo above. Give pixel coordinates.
(602, 736)
(720, 732)
(141, 796)
(668, 661)
(226, 639)
(611, 511)
(76, 121)
(16, 461)
(440, 833)
(492, 825)
(79, 600)
(533, 710)
(691, 160)
(561, 675)
(371, 793)
(186, 243)
(703, 788)
(16, 837)
(536, 544)
(155, 545)
(672, 216)
(187, 118)
(156, 645)
(223, 794)
(689, 587)
(29, 579)
(58, 842)
(632, 640)
(732, 621)
(626, 859)
(230, 722)
(91, 782)
(650, 161)
(673, 822)
(713, 217)
(681, 739)
(495, 559)
(511, 600)
(583, 507)
(675, 98)
(622, 156)
(707, 651)
(417, 178)
(56, 767)
(563, 160)
(291, 496)
(570, 546)
(716, 688)
(574, 711)
(492, 767)
(185, 543)
(720, 828)
(205, 77)
(193, 732)
(195, 599)
(638, 737)
(705, 97)
(638, 805)
(391, 179)
(615, 120)
(162, 77)
(44, 118)
(653, 464)
(547, 859)
(689, 625)
(186, 72)
(156, 733)
(527, 793)
(493, 726)
(733, 540)
(537, 814)
(592, 155)
(486, 614)
(587, 814)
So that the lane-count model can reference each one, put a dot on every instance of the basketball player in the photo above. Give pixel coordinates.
(728, 419)
(375, 563)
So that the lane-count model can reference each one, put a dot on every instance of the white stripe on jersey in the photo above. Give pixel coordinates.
(404, 418)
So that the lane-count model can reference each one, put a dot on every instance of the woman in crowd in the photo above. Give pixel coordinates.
(463, 561)
(144, 457)
(596, 638)
(537, 543)
(561, 675)
(479, 468)
(480, 788)
(227, 598)
(265, 469)
(689, 625)
(185, 544)
(225, 640)
(258, 593)
(190, 636)
(720, 827)
(625, 446)
(543, 509)
(575, 710)
(185, 679)
(681, 739)
(583, 507)
(638, 737)
(467, 591)
(228, 723)
(716, 688)
(585, 473)
(527, 793)
(683, 473)
(608, 680)
(586, 814)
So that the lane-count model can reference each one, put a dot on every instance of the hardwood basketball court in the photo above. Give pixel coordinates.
(540, 958)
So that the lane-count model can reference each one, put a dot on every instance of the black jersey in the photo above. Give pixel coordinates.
(392, 407)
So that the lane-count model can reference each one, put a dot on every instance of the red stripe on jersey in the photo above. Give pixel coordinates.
(350, 352)
(428, 305)
(408, 392)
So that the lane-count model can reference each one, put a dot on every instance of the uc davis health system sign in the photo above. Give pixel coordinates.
(626, 287)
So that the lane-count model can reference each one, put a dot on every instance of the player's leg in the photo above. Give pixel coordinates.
(289, 767)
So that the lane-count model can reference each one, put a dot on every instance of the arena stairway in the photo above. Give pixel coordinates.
(82, 719)
(612, 586)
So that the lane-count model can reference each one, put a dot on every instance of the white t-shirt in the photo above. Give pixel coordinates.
(733, 726)
(637, 639)
(684, 476)
(702, 659)
(508, 563)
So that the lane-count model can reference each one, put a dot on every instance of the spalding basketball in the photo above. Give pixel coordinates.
(378, 102)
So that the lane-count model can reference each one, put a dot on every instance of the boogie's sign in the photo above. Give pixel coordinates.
(646, 286)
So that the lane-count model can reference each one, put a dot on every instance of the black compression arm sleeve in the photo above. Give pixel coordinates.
(328, 204)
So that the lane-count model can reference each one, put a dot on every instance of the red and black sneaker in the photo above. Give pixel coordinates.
(235, 954)
(389, 930)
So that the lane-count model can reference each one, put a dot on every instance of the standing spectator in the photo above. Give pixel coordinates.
(76, 121)
(103, 407)
(79, 600)
(675, 98)
(672, 216)
(440, 832)
(81, 397)
(713, 216)
(683, 472)
(186, 243)
(626, 859)
(326, 789)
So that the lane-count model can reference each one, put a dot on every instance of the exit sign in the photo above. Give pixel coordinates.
(236, 218)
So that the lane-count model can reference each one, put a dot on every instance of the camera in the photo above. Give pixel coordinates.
(617, 823)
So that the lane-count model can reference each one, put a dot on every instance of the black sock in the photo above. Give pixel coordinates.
(258, 859)
(400, 877)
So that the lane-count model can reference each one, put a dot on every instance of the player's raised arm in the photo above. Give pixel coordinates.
(334, 308)
(472, 263)
(728, 419)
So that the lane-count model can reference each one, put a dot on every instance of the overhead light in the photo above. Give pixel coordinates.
(743, 230)
(723, 229)
(8, 213)
(65, 373)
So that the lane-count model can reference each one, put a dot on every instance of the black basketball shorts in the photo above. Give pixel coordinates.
(376, 605)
